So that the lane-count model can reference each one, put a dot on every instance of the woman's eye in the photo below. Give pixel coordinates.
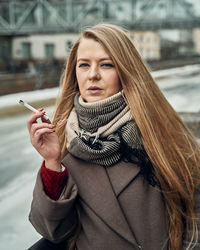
(83, 65)
(108, 65)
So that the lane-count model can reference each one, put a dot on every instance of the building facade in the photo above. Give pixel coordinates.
(57, 46)
(42, 47)
(147, 43)
(196, 39)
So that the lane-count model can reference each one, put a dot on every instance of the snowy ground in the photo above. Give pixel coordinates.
(19, 163)
(29, 96)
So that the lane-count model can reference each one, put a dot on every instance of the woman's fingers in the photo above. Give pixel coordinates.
(43, 136)
(38, 130)
(37, 126)
(45, 120)
(33, 119)
(39, 133)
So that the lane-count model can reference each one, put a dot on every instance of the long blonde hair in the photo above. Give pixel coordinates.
(172, 149)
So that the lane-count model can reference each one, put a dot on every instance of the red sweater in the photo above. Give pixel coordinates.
(53, 181)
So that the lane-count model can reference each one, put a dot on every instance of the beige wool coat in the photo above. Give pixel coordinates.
(119, 209)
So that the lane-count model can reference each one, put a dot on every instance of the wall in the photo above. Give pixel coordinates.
(196, 39)
(38, 45)
(147, 43)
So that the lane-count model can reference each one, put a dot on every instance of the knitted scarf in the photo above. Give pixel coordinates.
(98, 131)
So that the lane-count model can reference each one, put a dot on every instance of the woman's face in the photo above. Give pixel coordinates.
(95, 72)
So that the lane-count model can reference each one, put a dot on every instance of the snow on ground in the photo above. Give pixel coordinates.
(29, 96)
(184, 70)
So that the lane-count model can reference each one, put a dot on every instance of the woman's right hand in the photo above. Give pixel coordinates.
(45, 140)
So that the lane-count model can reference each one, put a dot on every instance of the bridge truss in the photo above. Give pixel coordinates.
(45, 16)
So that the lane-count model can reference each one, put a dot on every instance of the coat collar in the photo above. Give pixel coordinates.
(95, 188)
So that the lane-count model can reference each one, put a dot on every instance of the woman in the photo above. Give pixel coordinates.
(132, 167)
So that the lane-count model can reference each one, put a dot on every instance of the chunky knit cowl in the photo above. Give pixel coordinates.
(104, 132)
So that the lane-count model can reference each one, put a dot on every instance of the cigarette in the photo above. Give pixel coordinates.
(28, 106)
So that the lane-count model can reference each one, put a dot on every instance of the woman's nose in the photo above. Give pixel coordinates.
(94, 73)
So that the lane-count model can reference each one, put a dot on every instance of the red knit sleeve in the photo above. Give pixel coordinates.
(53, 181)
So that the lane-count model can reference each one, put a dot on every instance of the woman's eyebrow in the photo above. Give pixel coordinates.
(101, 59)
(82, 59)
(105, 59)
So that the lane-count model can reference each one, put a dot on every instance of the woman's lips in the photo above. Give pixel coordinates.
(94, 90)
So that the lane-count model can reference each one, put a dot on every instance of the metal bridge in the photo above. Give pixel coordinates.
(18, 17)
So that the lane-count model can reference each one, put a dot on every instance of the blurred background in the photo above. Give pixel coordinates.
(35, 39)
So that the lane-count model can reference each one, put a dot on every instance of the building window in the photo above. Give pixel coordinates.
(49, 50)
(5, 49)
(26, 50)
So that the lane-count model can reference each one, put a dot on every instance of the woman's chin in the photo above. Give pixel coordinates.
(93, 98)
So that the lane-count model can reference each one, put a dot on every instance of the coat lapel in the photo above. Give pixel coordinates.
(122, 175)
(96, 190)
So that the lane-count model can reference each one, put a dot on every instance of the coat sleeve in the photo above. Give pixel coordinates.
(54, 220)
(188, 233)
